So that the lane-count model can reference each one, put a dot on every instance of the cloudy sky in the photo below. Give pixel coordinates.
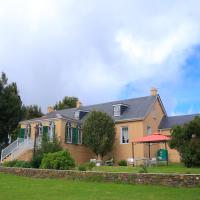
(102, 50)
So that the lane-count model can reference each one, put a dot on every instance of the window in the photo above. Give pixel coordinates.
(124, 135)
(40, 129)
(154, 114)
(77, 114)
(117, 110)
(148, 130)
(68, 134)
(79, 135)
(28, 131)
(51, 131)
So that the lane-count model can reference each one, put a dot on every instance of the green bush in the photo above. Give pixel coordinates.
(59, 160)
(122, 163)
(143, 169)
(46, 147)
(82, 168)
(17, 163)
(90, 165)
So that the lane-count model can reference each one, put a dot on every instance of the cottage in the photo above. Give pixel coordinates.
(133, 118)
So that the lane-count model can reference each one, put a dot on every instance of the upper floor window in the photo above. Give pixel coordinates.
(149, 131)
(117, 110)
(124, 135)
(154, 114)
(77, 114)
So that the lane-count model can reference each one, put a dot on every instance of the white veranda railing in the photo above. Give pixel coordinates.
(18, 144)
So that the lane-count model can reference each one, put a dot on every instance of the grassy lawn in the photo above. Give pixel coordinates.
(23, 188)
(171, 168)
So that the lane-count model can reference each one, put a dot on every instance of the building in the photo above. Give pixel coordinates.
(133, 118)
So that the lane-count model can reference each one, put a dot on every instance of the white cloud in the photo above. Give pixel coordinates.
(94, 49)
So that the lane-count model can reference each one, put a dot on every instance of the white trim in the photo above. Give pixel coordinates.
(121, 135)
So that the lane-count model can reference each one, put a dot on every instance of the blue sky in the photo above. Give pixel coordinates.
(102, 50)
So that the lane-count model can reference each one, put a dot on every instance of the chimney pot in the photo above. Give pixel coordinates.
(153, 91)
(50, 109)
(78, 104)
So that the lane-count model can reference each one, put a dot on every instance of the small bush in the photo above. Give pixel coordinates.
(59, 160)
(17, 163)
(143, 169)
(122, 163)
(90, 165)
(82, 168)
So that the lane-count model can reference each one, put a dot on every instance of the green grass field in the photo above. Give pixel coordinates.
(23, 188)
(171, 168)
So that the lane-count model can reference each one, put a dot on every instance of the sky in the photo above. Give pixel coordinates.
(102, 50)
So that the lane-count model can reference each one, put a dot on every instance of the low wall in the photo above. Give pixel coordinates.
(177, 180)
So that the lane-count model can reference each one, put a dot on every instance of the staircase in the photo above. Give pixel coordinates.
(17, 148)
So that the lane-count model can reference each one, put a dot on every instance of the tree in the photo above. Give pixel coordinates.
(186, 140)
(31, 112)
(99, 133)
(67, 102)
(10, 108)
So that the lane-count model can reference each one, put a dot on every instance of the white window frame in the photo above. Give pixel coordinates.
(69, 133)
(77, 114)
(79, 134)
(51, 130)
(117, 110)
(149, 130)
(40, 129)
(121, 135)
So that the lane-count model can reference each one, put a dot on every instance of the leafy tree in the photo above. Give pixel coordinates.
(99, 133)
(10, 108)
(186, 140)
(67, 102)
(31, 112)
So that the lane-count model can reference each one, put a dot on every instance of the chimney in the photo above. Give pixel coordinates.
(78, 104)
(153, 91)
(50, 109)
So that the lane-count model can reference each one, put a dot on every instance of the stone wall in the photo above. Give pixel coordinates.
(177, 180)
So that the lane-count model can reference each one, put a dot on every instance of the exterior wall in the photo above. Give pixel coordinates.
(27, 156)
(124, 151)
(173, 154)
(79, 152)
(152, 120)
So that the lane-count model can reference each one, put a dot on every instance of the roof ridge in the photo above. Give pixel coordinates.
(108, 102)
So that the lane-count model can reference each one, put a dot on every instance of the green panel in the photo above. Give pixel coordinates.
(45, 129)
(22, 133)
(162, 155)
(75, 136)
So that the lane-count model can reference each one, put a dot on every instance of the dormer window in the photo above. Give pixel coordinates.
(79, 114)
(118, 109)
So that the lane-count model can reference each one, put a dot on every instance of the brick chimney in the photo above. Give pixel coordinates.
(50, 109)
(78, 104)
(154, 91)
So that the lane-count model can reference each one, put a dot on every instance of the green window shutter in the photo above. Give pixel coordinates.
(22, 133)
(45, 130)
(75, 136)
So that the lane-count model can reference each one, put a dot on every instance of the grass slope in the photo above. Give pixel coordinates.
(23, 188)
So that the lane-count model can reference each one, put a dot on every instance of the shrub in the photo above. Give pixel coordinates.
(122, 163)
(90, 165)
(17, 163)
(143, 169)
(59, 160)
(46, 147)
(82, 168)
